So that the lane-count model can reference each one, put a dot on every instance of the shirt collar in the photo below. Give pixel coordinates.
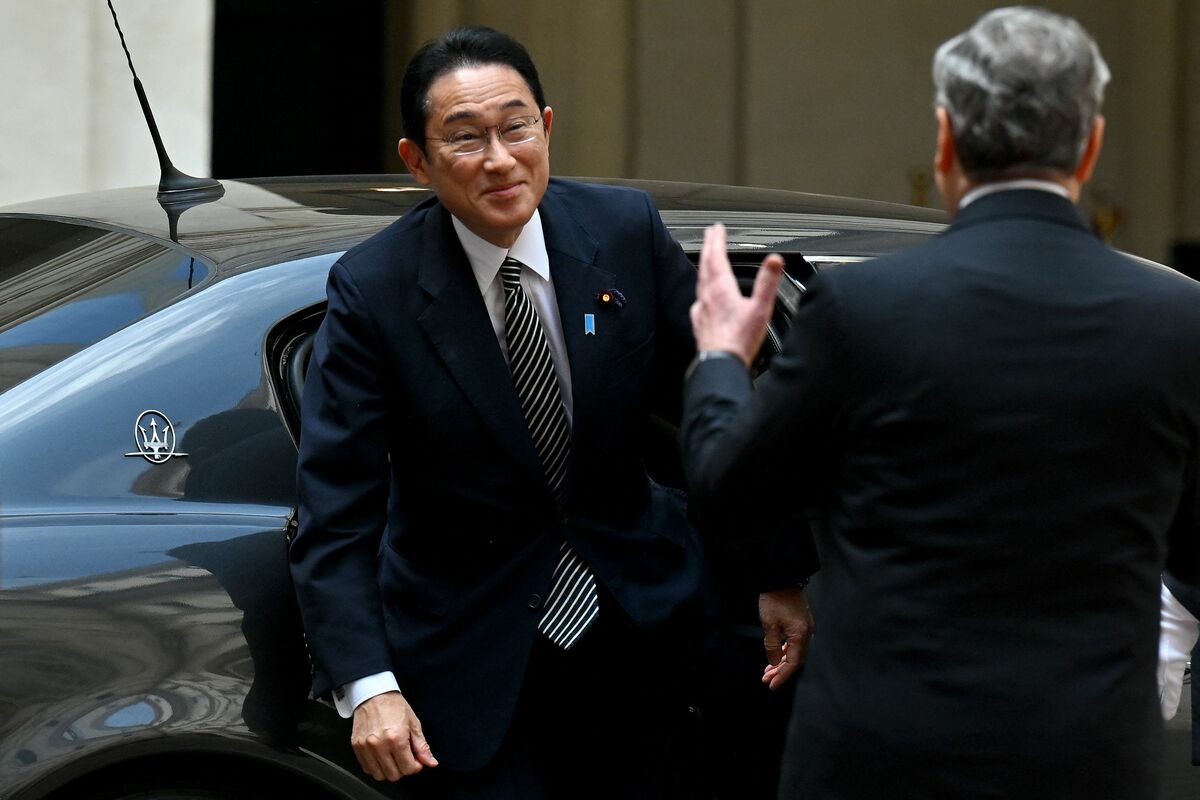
(486, 258)
(1005, 186)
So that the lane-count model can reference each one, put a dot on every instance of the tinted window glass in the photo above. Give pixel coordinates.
(64, 287)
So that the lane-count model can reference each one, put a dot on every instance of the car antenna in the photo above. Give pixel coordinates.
(177, 191)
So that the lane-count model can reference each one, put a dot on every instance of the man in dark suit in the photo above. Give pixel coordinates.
(1002, 428)
(490, 583)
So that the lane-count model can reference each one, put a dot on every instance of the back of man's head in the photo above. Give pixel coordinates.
(1022, 88)
(470, 46)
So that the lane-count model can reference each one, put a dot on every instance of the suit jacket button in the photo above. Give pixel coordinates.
(563, 517)
(535, 601)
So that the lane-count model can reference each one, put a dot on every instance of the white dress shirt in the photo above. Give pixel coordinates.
(1177, 634)
(985, 189)
(485, 259)
(530, 250)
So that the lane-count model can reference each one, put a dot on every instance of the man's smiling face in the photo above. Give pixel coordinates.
(493, 192)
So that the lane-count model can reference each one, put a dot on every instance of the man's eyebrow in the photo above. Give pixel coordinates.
(470, 115)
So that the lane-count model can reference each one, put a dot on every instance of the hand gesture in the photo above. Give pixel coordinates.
(722, 319)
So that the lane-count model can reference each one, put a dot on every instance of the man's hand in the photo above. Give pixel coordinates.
(787, 625)
(387, 738)
(721, 318)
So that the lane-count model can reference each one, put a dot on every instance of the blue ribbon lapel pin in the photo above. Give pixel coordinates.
(589, 324)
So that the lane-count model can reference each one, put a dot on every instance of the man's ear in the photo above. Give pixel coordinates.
(414, 158)
(947, 169)
(1091, 151)
(946, 153)
(547, 120)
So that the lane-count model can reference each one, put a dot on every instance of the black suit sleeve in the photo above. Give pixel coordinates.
(757, 456)
(775, 559)
(1183, 557)
(343, 478)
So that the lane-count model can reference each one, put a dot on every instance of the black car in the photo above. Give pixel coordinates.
(150, 370)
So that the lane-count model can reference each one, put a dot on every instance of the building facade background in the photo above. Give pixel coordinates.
(807, 95)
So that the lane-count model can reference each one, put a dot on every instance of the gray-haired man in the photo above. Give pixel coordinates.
(1003, 427)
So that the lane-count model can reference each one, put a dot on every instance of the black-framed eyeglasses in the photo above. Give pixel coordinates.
(472, 139)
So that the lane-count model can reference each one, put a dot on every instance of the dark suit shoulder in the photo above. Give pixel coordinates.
(378, 278)
(596, 192)
(389, 249)
(624, 202)
(1167, 280)
(1032, 274)
(1020, 242)
(885, 276)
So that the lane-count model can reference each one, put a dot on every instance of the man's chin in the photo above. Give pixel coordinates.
(510, 218)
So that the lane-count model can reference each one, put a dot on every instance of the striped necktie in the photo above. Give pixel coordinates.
(573, 602)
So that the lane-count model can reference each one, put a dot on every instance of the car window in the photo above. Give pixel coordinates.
(290, 347)
(64, 287)
(823, 262)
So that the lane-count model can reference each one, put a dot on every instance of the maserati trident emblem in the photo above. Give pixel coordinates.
(154, 437)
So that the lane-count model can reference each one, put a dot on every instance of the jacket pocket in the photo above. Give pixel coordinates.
(668, 513)
(632, 362)
(413, 592)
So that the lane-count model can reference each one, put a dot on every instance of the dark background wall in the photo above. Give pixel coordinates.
(297, 87)
(806, 95)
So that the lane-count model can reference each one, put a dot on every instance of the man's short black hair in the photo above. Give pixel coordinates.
(470, 46)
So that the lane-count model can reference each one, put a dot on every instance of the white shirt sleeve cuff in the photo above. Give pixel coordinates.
(349, 696)
(1178, 631)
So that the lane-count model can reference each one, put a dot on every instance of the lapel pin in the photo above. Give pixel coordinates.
(589, 324)
(610, 298)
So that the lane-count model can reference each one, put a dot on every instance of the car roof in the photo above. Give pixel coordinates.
(262, 221)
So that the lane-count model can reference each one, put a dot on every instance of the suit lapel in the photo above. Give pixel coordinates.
(577, 281)
(457, 324)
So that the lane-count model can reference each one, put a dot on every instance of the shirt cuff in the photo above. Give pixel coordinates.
(349, 696)
(711, 355)
(1177, 636)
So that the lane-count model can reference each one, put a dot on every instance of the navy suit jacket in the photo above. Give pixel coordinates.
(1002, 428)
(427, 532)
